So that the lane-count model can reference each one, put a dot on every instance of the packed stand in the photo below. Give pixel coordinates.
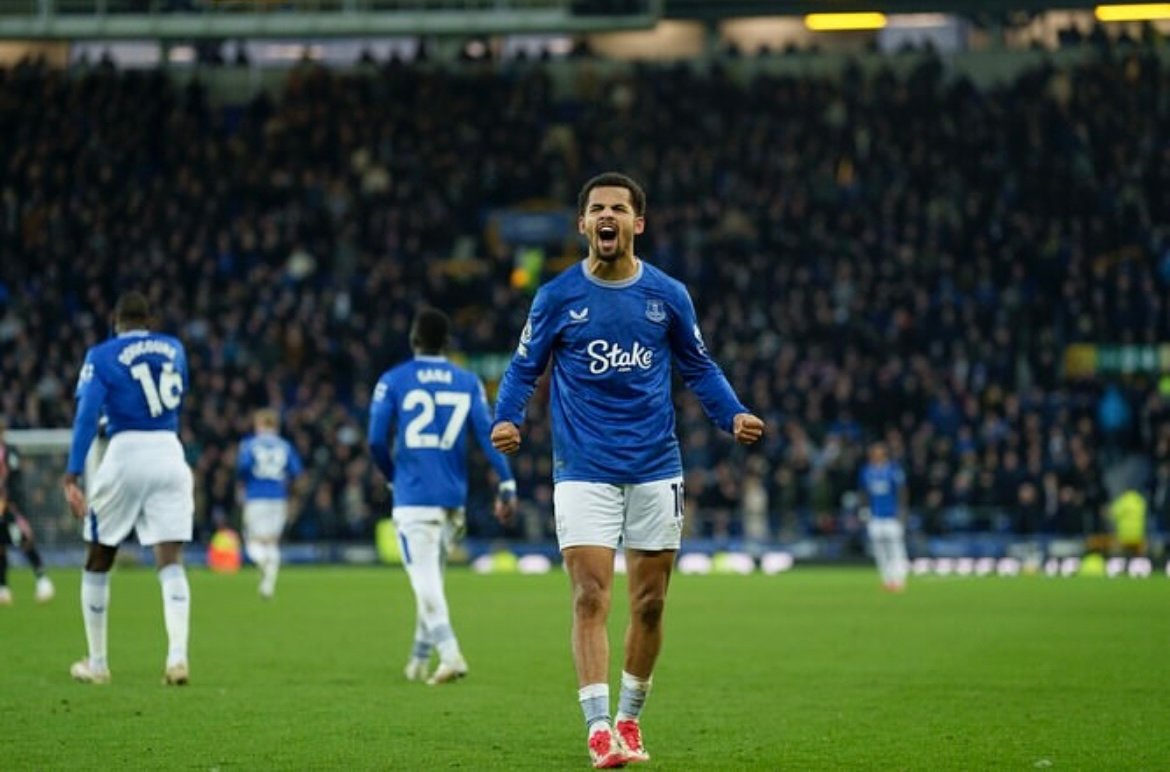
(872, 256)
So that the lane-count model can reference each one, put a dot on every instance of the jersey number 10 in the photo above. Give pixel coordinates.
(164, 395)
(417, 431)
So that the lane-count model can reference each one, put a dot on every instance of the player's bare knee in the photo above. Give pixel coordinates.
(590, 600)
(99, 558)
(168, 553)
(647, 612)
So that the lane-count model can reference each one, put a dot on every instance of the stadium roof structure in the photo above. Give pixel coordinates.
(722, 9)
(193, 19)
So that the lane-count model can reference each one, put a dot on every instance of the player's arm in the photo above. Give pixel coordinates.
(481, 424)
(244, 461)
(181, 366)
(703, 376)
(298, 481)
(243, 466)
(91, 396)
(519, 381)
(863, 510)
(903, 494)
(382, 410)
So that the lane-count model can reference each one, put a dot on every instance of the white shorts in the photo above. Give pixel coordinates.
(641, 516)
(265, 518)
(408, 515)
(424, 525)
(885, 528)
(143, 484)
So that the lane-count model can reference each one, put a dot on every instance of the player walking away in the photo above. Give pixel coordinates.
(267, 466)
(427, 402)
(137, 379)
(611, 325)
(15, 531)
(883, 493)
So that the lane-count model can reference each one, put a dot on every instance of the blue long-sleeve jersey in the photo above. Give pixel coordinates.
(611, 345)
(266, 465)
(429, 402)
(138, 380)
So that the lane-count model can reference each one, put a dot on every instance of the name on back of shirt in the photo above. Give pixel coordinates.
(434, 375)
(144, 347)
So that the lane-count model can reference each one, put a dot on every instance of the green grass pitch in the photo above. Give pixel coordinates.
(815, 669)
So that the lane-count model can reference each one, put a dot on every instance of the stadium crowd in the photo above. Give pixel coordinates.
(873, 256)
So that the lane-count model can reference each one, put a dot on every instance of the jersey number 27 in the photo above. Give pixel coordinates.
(419, 432)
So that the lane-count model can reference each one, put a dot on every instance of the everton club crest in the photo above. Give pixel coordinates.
(655, 310)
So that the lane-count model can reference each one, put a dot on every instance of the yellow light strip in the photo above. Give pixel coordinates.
(841, 22)
(1142, 12)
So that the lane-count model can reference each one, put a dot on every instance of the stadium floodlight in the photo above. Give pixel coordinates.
(1132, 12)
(845, 22)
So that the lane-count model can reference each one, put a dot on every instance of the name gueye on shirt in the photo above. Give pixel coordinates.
(612, 346)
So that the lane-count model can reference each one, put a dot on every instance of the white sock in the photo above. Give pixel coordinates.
(594, 699)
(95, 603)
(272, 568)
(448, 647)
(176, 594)
(632, 696)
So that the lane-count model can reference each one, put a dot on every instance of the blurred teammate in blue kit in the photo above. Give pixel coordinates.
(267, 466)
(419, 419)
(884, 495)
(611, 326)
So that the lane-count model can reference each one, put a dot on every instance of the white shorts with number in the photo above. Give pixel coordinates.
(641, 516)
(143, 484)
(265, 518)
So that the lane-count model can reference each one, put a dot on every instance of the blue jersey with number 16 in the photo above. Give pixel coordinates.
(137, 380)
(429, 402)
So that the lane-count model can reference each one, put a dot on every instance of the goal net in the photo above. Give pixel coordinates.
(36, 487)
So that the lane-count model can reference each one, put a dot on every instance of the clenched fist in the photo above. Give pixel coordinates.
(746, 428)
(506, 437)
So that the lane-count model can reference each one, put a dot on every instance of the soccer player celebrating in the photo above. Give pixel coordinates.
(427, 401)
(267, 464)
(883, 493)
(137, 379)
(611, 325)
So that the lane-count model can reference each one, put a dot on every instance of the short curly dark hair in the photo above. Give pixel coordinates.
(613, 180)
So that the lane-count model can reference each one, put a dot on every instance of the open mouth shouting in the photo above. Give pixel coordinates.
(607, 237)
